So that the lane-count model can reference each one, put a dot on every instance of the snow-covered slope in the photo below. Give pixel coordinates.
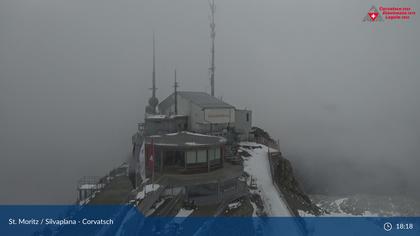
(368, 205)
(257, 166)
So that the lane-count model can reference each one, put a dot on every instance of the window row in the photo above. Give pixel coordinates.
(200, 156)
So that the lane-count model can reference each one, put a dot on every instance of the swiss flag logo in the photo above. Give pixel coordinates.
(373, 15)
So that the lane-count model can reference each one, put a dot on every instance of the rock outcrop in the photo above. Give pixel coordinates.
(296, 198)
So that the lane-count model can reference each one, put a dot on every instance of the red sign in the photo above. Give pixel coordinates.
(150, 155)
(373, 15)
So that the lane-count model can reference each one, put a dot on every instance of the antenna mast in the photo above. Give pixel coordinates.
(154, 69)
(212, 36)
(176, 94)
(153, 101)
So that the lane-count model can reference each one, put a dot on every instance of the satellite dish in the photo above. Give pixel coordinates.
(153, 101)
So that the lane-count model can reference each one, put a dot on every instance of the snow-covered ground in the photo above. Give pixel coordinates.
(367, 205)
(184, 213)
(234, 205)
(257, 166)
(147, 189)
(90, 186)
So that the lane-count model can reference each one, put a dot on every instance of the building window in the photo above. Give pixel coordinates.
(191, 157)
(247, 117)
(201, 156)
(211, 154)
(217, 153)
(214, 154)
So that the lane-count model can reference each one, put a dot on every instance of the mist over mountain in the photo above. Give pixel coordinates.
(341, 95)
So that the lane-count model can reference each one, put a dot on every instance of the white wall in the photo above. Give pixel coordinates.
(242, 125)
(219, 115)
(199, 119)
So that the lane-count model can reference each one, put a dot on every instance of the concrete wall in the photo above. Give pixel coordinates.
(167, 110)
(184, 108)
(243, 123)
(219, 115)
(165, 125)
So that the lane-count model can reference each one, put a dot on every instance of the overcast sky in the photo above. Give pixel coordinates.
(341, 95)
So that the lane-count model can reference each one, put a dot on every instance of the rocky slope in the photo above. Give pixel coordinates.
(368, 205)
(296, 198)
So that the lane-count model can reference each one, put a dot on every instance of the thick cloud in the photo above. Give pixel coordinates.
(342, 95)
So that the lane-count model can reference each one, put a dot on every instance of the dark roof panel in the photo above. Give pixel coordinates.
(201, 99)
(204, 100)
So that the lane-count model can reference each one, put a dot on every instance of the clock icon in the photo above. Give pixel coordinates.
(387, 226)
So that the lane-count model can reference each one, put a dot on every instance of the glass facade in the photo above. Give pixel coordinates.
(191, 157)
(201, 156)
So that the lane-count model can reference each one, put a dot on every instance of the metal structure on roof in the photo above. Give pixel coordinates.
(153, 101)
(176, 85)
(212, 68)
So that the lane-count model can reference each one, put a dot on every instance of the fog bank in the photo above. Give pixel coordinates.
(340, 94)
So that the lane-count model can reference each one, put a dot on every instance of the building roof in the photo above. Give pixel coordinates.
(204, 100)
(164, 117)
(201, 99)
(185, 140)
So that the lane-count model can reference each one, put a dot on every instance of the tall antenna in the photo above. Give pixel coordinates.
(176, 94)
(153, 101)
(154, 69)
(212, 36)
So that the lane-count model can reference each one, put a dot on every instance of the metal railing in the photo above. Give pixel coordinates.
(88, 186)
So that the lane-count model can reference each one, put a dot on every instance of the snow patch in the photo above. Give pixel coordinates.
(193, 144)
(197, 134)
(304, 214)
(254, 209)
(234, 205)
(89, 186)
(155, 116)
(257, 166)
(182, 215)
(147, 189)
